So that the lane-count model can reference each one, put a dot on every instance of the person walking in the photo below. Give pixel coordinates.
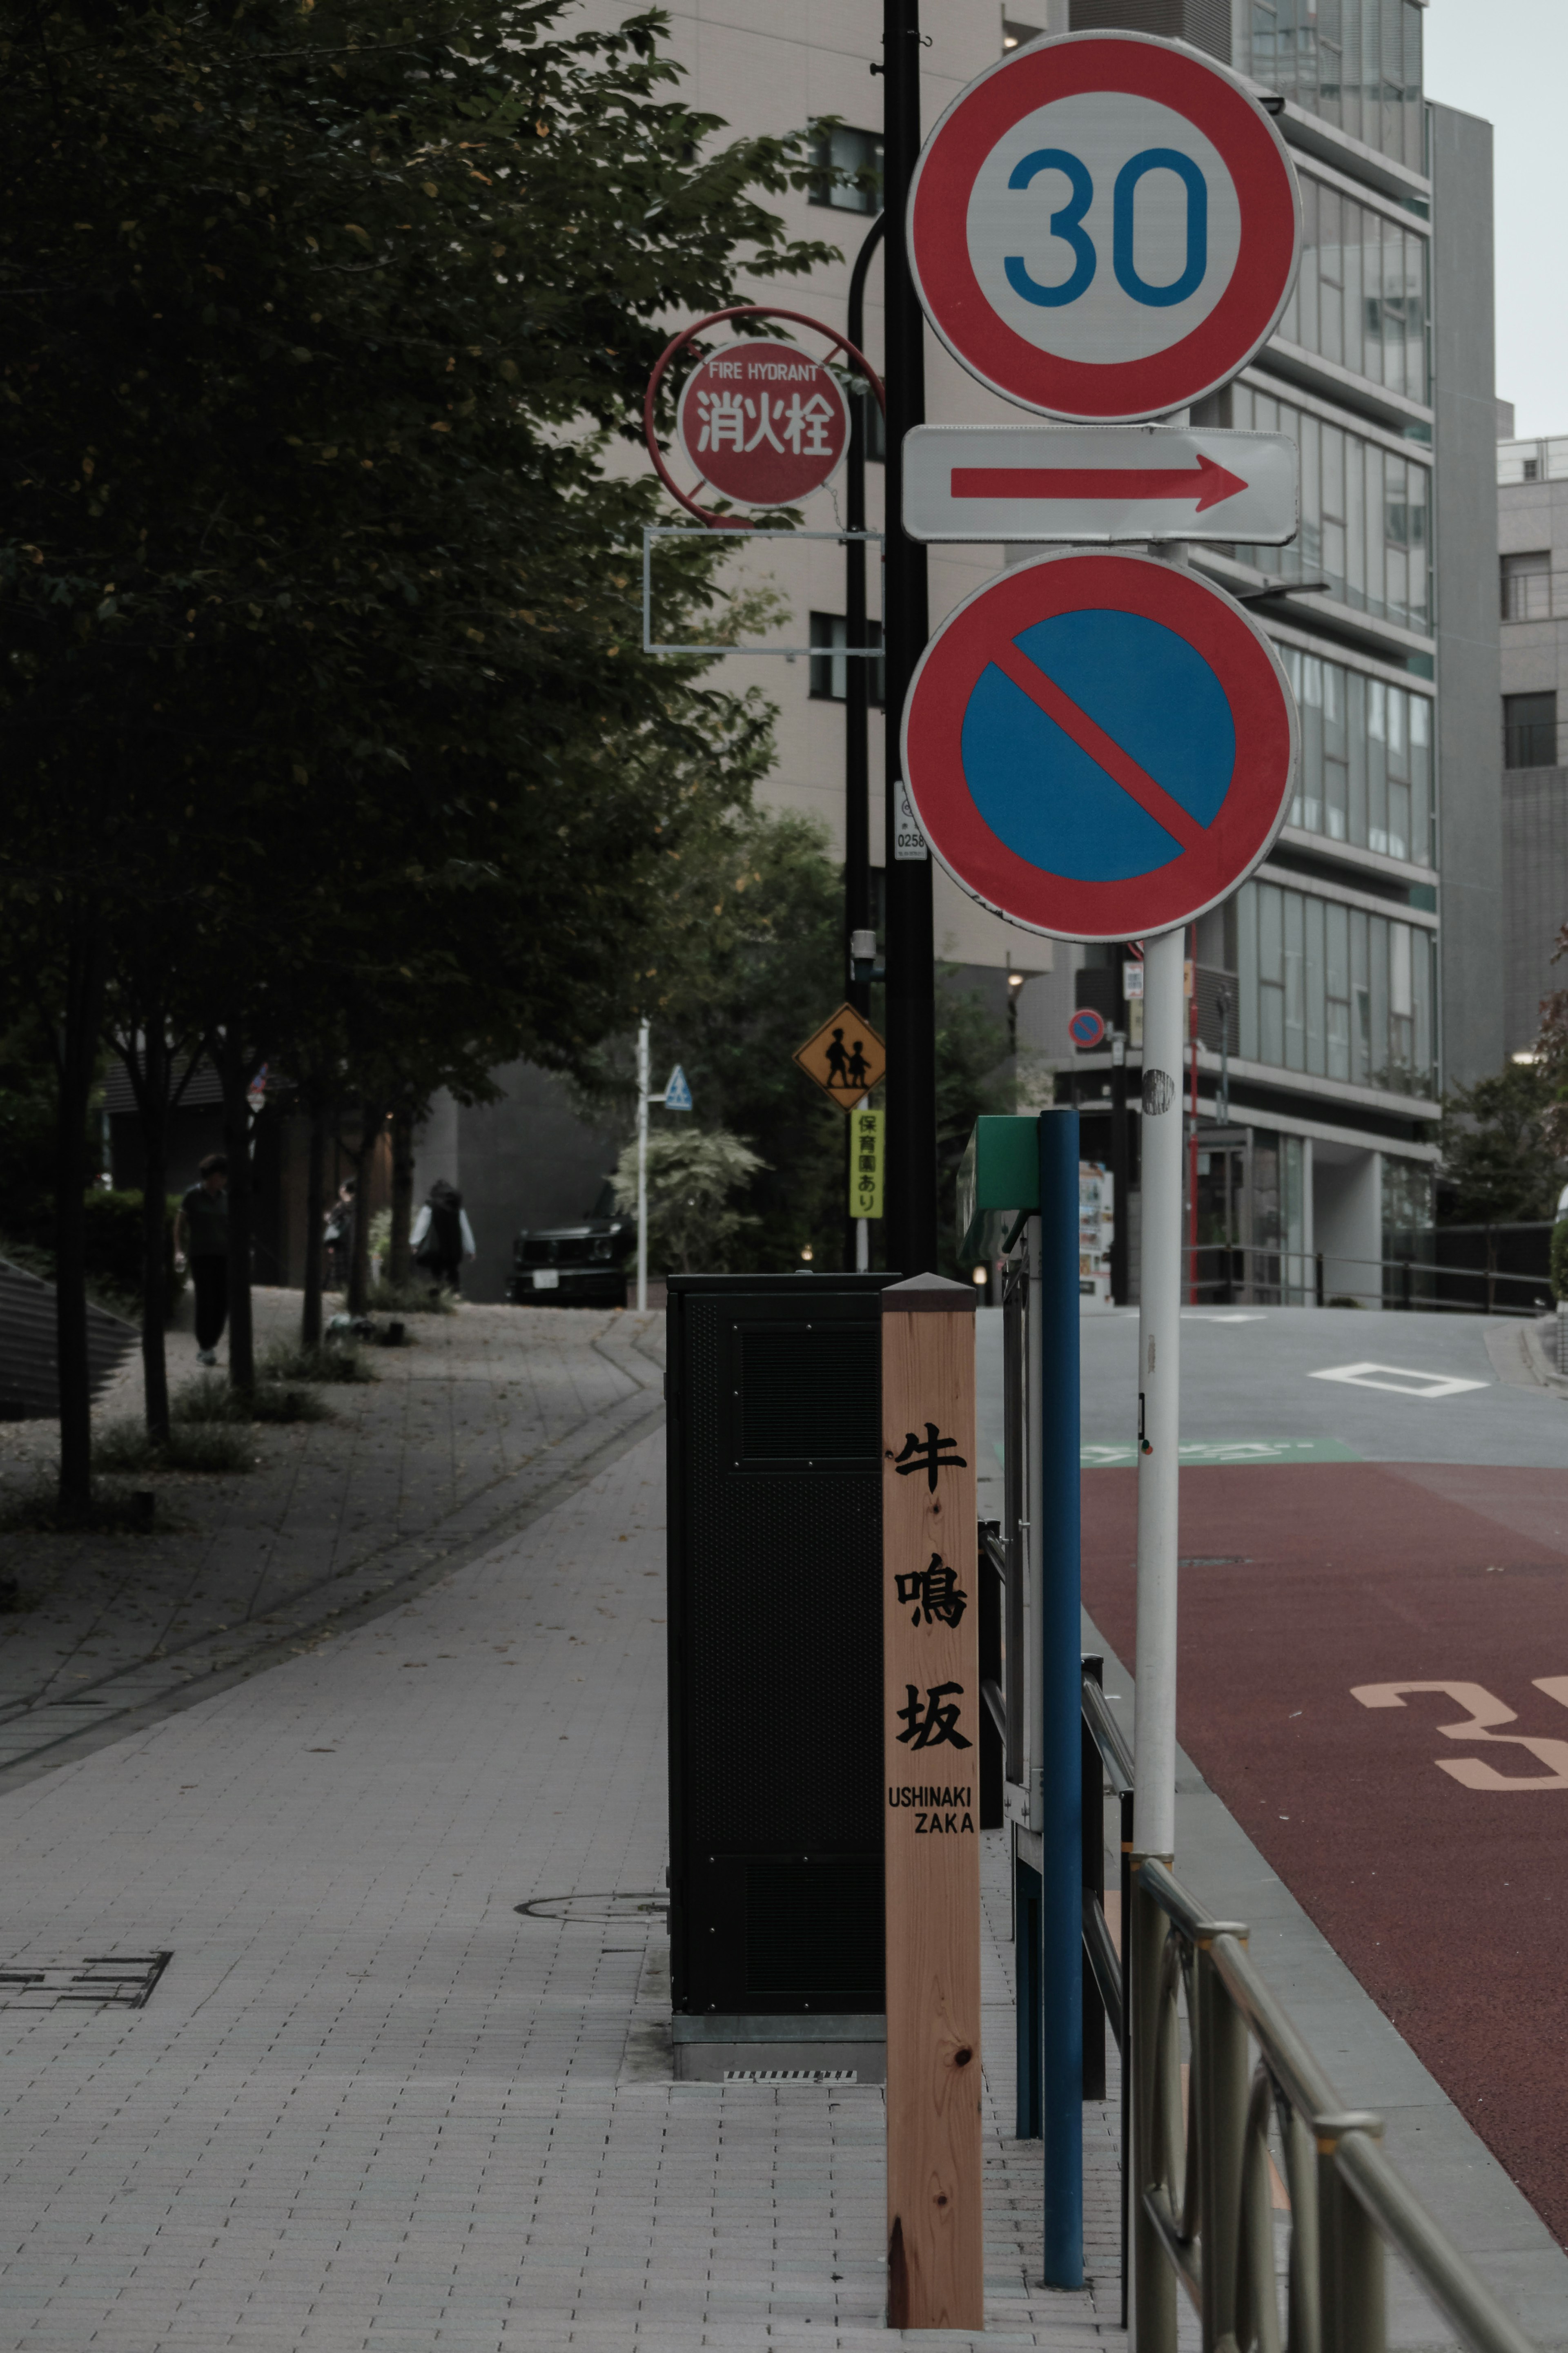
(338, 1234)
(201, 1239)
(442, 1237)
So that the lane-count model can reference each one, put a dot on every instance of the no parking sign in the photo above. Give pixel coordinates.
(1099, 747)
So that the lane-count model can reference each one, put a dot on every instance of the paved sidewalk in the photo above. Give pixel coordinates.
(492, 1412)
(373, 2103)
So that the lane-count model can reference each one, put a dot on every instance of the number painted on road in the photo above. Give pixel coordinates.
(1485, 1712)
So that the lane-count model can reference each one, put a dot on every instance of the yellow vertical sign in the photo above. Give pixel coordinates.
(865, 1163)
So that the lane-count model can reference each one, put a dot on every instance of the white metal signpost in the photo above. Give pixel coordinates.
(1091, 483)
(677, 1096)
(1104, 228)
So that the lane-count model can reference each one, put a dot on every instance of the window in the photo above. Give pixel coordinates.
(1527, 587)
(1365, 766)
(1530, 730)
(1015, 36)
(1364, 513)
(848, 174)
(830, 667)
(1332, 990)
(1360, 296)
(1355, 62)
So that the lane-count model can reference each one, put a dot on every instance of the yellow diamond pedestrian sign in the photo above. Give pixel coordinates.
(846, 1057)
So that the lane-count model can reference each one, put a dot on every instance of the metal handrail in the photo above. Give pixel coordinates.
(1109, 1738)
(1203, 2189)
(1433, 1276)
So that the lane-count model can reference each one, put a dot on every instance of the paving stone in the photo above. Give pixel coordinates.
(371, 2105)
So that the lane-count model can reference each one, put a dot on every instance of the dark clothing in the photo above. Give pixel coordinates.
(206, 1222)
(210, 1276)
(443, 1243)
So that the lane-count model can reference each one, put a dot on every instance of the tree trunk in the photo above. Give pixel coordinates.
(399, 1256)
(153, 1106)
(235, 1068)
(371, 1119)
(315, 1215)
(76, 1058)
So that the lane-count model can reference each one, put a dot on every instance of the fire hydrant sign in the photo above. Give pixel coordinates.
(1099, 747)
(1104, 226)
(932, 1704)
(763, 423)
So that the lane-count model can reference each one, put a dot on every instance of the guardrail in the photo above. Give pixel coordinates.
(1254, 1274)
(1198, 2171)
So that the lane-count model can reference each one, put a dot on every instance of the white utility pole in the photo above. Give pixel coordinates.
(642, 1166)
(1158, 1392)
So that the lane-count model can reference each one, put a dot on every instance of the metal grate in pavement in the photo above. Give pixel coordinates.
(121, 1980)
(790, 2076)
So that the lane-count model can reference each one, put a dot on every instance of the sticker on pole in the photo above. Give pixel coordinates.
(1104, 226)
(1099, 747)
(763, 423)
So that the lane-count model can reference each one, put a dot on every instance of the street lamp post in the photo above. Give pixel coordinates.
(911, 995)
(857, 910)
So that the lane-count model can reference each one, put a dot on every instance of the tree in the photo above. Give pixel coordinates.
(1503, 1145)
(752, 959)
(692, 1174)
(317, 595)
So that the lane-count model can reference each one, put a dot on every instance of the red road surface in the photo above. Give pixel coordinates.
(1448, 1900)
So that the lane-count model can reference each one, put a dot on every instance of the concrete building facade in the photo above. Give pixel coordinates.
(1341, 983)
(1532, 585)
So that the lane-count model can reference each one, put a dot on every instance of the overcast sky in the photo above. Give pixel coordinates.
(1507, 59)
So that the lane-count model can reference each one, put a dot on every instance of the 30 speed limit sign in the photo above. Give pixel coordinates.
(1104, 228)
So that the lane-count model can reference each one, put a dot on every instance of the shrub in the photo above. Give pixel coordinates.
(327, 1362)
(1560, 1258)
(210, 1446)
(412, 1298)
(214, 1402)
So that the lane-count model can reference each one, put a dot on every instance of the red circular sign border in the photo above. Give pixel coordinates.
(1129, 390)
(982, 866)
(750, 344)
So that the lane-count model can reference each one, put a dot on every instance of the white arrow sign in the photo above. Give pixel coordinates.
(1085, 482)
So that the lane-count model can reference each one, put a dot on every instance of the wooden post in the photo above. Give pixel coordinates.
(931, 1679)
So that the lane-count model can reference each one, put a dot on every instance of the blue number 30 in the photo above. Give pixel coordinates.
(1067, 225)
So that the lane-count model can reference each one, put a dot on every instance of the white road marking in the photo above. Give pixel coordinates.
(1402, 1379)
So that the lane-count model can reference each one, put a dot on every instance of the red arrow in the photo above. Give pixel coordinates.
(1205, 482)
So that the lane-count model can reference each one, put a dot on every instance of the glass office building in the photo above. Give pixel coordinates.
(1322, 986)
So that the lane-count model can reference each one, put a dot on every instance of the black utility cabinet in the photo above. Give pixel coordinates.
(775, 1649)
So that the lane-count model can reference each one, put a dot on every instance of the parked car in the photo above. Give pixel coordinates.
(576, 1266)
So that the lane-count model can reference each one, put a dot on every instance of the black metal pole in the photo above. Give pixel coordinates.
(857, 683)
(857, 700)
(911, 1232)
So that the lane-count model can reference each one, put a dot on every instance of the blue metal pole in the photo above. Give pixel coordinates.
(1061, 1777)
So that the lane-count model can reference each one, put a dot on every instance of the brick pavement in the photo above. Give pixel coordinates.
(492, 1412)
(372, 2105)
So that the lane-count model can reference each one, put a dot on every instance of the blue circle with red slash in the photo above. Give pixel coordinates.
(1086, 1027)
(1099, 747)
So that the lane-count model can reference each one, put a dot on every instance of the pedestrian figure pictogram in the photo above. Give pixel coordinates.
(845, 1057)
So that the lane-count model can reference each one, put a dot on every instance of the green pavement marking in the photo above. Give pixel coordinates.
(1238, 1450)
